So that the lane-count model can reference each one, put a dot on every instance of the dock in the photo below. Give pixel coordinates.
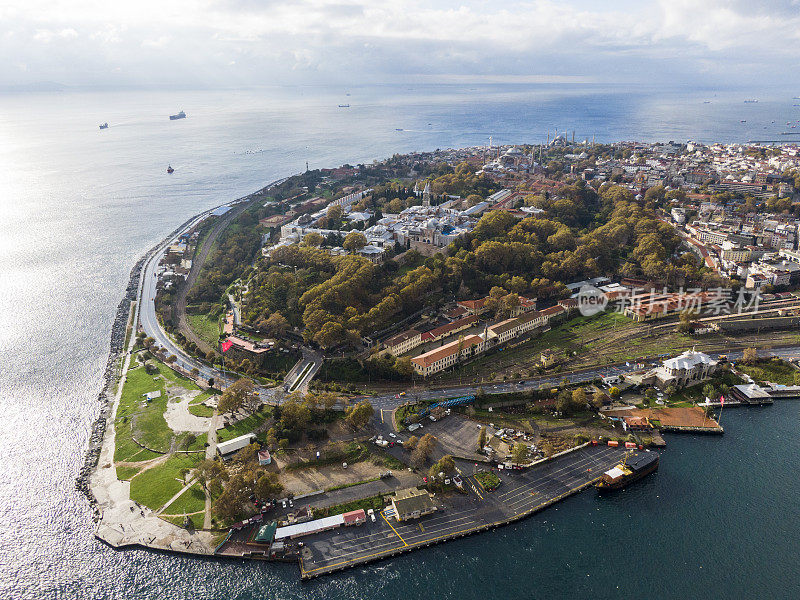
(521, 494)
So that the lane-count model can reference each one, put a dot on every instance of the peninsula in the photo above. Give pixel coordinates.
(357, 362)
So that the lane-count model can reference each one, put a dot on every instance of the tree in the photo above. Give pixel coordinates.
(578, 399)
(335, 213)
(482, 439)
(686, 321)
(445, 465)
(614, 392)
(247, 454)
(750, 356)
(473, 199)
(313, 239)
(268, 486)
(598, 399)
(240, 394)
(295, 415)
(148, 342)
(272, 438)
(211, 474)
(354, 241)
(423, 450)
(195, 372)
(519, 454)
(564, 401)
(171, 359)
(211, 382)
(709, 391)
(411, 443)
(229, 504)
(188, 441)
(275, 325)
(359, 414)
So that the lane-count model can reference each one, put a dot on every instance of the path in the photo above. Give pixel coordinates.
(176, 496)
(211, 450)
(122, 521)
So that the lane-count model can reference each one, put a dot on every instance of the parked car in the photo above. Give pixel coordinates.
(371, 514)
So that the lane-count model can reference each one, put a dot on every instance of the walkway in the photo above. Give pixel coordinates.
(211, 450)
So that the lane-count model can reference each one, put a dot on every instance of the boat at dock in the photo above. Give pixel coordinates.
(180, 115)
(634, 467)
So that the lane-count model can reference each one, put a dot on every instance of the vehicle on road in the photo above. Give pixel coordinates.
(394, 435)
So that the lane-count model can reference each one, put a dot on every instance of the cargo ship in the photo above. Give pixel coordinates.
(180, 115)
(634, 467)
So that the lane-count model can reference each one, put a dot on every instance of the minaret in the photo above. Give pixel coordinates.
(426, 194)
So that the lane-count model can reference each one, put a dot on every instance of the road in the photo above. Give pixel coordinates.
(390, 401)
(150, 325)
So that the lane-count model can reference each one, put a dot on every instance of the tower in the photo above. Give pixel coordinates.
(426, 194)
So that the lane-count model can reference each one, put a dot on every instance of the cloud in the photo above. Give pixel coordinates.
(47, 35)
(242, 41)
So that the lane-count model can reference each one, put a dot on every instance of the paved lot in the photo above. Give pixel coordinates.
(520, 494)
(688, 416)
(455, 435)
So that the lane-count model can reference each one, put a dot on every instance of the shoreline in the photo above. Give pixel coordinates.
(100, 491)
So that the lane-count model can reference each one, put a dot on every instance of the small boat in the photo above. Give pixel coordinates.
(104, 126)
(742, 121)
(344, 106)
(180, 115)
(751, 101)
(634, 467)
(706, 101)
(399, 129)
(170, 169)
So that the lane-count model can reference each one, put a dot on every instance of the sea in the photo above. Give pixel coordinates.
(80, 205)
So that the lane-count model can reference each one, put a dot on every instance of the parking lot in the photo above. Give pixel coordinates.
(521, 493)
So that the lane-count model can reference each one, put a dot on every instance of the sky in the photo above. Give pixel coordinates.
(268, 42)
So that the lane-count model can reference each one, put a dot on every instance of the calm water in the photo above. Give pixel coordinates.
(78, 206)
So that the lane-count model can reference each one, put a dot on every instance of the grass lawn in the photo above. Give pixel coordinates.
(145, 421)
(192, 500)
(126, 450)
(156, 486)
(198, 444)
(126, 473)
(244, 426)
(201, 410)
(488, 480)
(776, 371)
(206, 328)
